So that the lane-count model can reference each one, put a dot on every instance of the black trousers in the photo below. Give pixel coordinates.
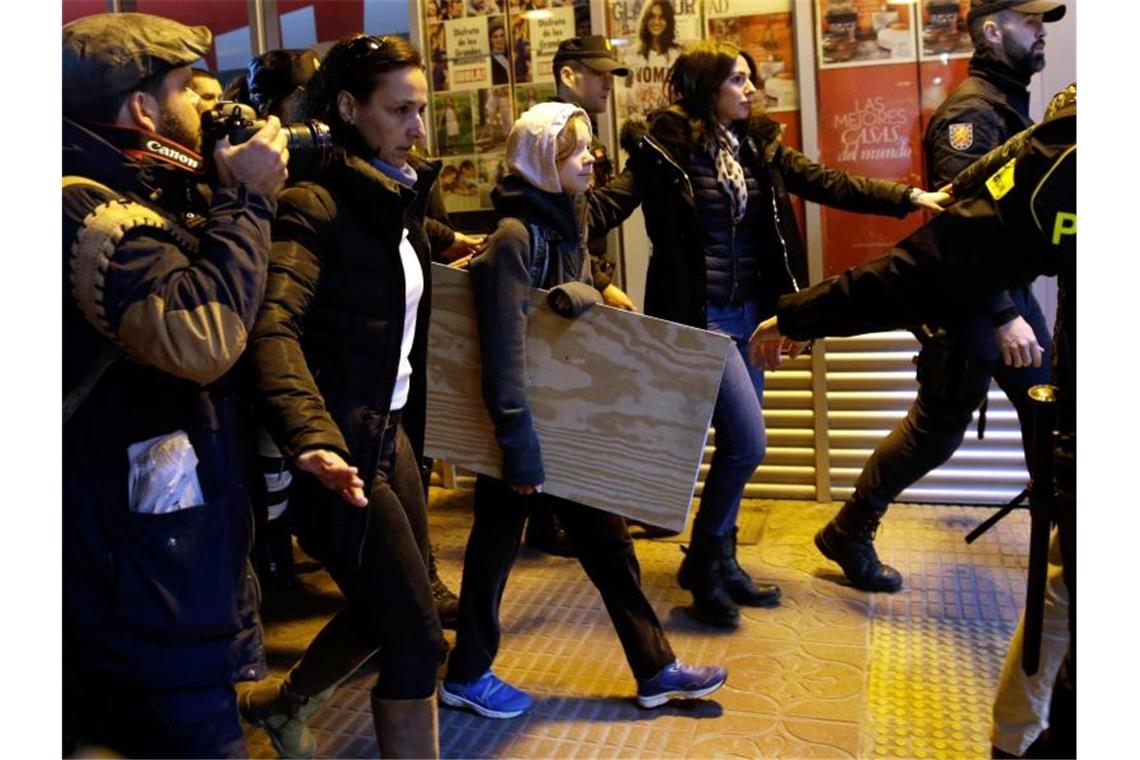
(381, 567)
(952, 384)
(603, 547)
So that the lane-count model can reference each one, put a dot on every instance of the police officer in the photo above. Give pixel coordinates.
(1006, 339)
(1016, 220)
(161, 289)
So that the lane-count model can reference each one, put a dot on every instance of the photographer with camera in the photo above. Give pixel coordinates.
(162, 284)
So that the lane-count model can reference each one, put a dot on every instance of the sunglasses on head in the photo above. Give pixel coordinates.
(366, 45)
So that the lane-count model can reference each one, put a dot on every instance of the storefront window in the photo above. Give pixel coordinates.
(320, 23)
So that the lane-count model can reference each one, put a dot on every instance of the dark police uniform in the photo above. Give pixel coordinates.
(956, 365)
(1017, 219)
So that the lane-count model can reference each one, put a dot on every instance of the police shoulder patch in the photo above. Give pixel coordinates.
(961, 135)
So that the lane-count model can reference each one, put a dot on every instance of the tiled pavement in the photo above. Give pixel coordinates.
(831, 672)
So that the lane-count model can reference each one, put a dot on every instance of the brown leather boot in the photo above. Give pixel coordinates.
(406, 728)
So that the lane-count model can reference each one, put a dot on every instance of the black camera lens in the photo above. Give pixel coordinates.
(310, 142)
(310, 147)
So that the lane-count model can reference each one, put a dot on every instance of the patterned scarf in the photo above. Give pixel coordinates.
(725, 149)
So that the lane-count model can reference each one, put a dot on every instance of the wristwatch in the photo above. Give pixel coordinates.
(914, 194)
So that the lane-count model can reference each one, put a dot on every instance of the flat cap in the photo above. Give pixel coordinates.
(1051, 11)
(594, 50)
(108, 54)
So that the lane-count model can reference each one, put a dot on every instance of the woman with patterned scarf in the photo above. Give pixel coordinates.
(714, 182)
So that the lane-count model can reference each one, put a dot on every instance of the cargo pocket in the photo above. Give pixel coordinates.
(178, 575)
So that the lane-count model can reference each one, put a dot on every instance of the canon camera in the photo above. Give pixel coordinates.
(309, 142)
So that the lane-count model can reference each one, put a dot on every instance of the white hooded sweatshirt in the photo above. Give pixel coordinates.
(531, 144)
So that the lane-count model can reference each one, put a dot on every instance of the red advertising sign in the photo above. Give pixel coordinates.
(869, 125)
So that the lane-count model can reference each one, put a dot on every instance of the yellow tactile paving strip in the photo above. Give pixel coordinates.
(832, 672)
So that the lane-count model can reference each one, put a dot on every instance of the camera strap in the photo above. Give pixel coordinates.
(140, 145)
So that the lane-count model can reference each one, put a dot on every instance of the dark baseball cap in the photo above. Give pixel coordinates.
(594, 50)
(1049, 10)
(108, 54)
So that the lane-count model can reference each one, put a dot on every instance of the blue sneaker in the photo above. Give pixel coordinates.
(488, 696)
(680, 681)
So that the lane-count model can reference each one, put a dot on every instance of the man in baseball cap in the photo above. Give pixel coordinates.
(594, 51)
(1049, 11)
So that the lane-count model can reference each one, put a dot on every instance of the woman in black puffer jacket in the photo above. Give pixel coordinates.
(714, 181)
(339, 350)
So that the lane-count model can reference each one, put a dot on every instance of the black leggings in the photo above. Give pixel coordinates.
(603, 547)
(380, 564)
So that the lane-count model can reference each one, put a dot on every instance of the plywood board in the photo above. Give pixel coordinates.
(621, 401)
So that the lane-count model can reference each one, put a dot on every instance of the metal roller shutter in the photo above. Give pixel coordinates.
(870, 386)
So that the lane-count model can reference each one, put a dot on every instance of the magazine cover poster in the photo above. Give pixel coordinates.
(498, 43)
(468, 53)
(528, 95)
(520, 46)
(454, 131)
(437, 57)
(459, 182)
(863, 32)
(493, 118)
(547, 30)
(649, 35)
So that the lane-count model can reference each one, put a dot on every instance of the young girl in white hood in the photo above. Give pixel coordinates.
(541, 242)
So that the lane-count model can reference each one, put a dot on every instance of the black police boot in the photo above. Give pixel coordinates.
(848, 541)
(446, 602)
(546, 534)
(700, 574)
(738, 583)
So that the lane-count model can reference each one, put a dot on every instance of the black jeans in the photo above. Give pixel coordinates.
(381, 567)
(952, 384)
(603, 547)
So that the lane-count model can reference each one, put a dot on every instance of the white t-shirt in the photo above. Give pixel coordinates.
(413, 292)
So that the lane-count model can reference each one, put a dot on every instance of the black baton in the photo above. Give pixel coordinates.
(1043, 400)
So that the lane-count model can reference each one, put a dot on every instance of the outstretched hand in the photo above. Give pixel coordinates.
(933, 202)
(335, 474)
(767, 344)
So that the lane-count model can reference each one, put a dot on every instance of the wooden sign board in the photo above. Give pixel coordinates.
(621, 402)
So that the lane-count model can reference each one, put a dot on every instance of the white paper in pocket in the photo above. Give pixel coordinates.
(164, 475)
